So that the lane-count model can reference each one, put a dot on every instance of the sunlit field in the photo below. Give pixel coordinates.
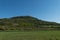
(34, 35)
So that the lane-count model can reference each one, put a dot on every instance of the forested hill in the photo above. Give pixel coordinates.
(26, 23)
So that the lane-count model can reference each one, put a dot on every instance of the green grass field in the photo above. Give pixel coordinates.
(40, 35)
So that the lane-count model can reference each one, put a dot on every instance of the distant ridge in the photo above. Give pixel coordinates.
(26, 23)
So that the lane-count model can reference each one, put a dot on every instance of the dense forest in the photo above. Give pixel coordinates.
(27, 23)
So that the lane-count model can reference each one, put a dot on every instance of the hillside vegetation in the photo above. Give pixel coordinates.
(26, 23)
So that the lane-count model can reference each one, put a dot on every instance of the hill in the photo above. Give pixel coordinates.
(26, 23)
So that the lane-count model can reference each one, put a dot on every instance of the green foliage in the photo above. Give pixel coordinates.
(25, 22)
(30, 35)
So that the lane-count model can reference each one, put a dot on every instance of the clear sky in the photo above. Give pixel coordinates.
(43, 9)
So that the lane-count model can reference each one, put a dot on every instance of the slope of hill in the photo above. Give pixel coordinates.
(26, 23)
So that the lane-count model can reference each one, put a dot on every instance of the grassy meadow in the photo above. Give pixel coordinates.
(31, 35)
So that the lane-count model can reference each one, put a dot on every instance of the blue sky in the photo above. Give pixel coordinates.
(43, 9)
